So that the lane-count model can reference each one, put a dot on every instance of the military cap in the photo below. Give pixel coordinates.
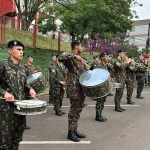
(13, 43)
(53, 55)
(95, 57)
(103, 55)
(57, 55)
(120, 51)
(29, 56)
(130, 57)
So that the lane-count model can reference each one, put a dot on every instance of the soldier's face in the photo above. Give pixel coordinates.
(79, 47)
(16, 53)
(105, 58)
(122, 54)
(30, 59)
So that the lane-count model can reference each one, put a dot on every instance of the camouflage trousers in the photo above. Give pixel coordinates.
(11, 128)
(140, 85)
(57, 94)
(51, 100)
(100, 105)
(77, 99)
(119, 94)
(129, 87)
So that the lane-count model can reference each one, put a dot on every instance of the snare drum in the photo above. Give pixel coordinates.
(30, 107)
(96, 83)
(38, 82)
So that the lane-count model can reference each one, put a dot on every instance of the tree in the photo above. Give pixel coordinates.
(27, 10)
(111, 43)
(89, 17)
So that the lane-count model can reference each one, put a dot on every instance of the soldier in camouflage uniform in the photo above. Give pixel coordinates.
(13, 76)
(100, 101)
(140, 75)
(31, 68)
(73, 62)
(51, 64)
(130, 79)
(120, 65)
(29, 64)
(57, 78)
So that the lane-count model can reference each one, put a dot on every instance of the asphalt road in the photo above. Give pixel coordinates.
(129, 130)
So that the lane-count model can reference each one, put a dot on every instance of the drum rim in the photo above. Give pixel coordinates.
(33, 113)
(31, 106)
(97, 84)
(35, 79)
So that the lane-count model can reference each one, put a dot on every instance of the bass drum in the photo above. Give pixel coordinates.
(96, 83)
(38, 82)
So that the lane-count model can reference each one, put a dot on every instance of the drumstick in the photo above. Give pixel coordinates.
(35, 98)
(17, 101)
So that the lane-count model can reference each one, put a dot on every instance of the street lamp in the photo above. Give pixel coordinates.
(58, 24)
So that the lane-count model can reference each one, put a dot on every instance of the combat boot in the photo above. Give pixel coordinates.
(73, 137)
(58, 113)
(130, 102)
(100, 118)
(118, 109)
(80, 135)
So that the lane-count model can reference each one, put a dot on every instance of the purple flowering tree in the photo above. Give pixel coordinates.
(110, 44)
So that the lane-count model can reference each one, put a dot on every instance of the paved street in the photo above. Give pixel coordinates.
(129, 130)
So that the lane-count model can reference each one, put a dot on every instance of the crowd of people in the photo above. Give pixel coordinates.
(65, 71)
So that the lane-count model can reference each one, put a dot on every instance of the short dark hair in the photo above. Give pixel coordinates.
(74, 43)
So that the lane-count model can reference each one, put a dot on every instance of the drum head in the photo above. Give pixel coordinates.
(30, 103)
(94, 77)
(31, 78)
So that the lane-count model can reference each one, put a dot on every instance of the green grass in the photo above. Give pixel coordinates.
(41, 41)
(45, 47)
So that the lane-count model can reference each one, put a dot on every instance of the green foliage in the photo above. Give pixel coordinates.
(88, 16)
(46, 25)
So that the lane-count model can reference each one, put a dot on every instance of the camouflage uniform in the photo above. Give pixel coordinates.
(31, 68)
(140, 76)
(57, 75)
(130, 79)
(51, 64)
(100, 101)
(13, 80)
(119, 68)
(74, 89)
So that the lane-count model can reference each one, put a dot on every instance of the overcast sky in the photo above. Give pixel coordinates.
(144, 11)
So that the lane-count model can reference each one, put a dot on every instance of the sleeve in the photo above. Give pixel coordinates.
(53, 76)
(66, 57)
(2, 91)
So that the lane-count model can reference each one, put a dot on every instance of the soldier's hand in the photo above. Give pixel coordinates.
(9, 97)
(62, 82)
(32, 93)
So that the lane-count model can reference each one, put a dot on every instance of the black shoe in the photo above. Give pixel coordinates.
(27, 127)
(58, 113)
(84, 105)
(130, 102)
(122, 109)
(140, 97)
(118, 110)
(110, 94)
(51, 102)
(73, 137)
(100, 118)
(80, 135)
(63, 112)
